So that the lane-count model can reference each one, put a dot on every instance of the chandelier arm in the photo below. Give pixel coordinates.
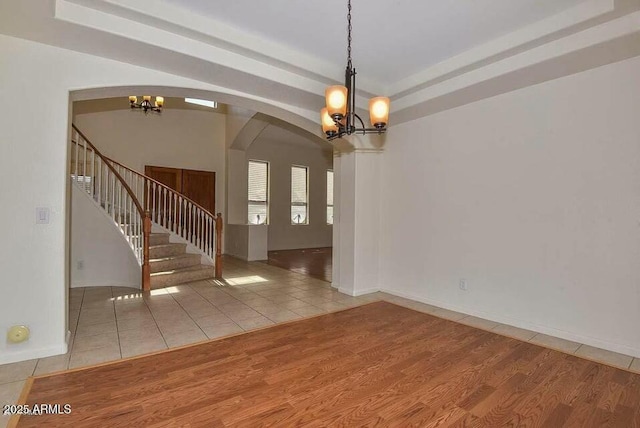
(146, 107)
(345, 124)
(361, 122)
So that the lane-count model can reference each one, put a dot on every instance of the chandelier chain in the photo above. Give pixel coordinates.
(349, 34)
(339, 117)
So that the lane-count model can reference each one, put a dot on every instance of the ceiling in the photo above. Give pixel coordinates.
(279, 135)
(277, 57)
(391, 39)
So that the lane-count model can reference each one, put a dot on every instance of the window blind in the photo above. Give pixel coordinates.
(258, 192)
(329, 197)
(299, 195)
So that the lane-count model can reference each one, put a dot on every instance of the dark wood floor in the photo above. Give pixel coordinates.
(314, 262)
(378, 364)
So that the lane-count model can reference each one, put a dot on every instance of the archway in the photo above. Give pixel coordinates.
(304, 243)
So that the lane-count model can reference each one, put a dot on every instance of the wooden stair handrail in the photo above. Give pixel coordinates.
(145, 215)
(197, 205)
(217, 219)
(113, 170)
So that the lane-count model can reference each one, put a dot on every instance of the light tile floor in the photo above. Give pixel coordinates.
(110, 323)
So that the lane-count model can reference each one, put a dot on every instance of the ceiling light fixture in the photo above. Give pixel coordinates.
(146, 105)
(338, 117)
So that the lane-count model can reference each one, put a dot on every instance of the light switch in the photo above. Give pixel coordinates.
(42, 215)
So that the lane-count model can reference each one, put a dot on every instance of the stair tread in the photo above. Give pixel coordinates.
(179, 256)
(170, 244)
(187, 269)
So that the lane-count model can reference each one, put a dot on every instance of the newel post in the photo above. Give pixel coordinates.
(146, 269)
(219, 245)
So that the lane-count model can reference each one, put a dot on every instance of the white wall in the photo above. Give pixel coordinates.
(533, 198)
(188, 139)
(281, 156)
(98, 243)
(237, 185)
(34, 148)
(247, 241)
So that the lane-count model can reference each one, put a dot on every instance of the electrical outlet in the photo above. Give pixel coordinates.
(80, 264)
(463, 285)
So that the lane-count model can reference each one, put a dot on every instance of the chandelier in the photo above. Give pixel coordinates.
(339, 117)
(146, 105)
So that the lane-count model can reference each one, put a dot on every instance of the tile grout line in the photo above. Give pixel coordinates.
(156, 322)
(38, 360)
(233, 321)
(257, 294)
(187, 312)
(73, 345)
(75, 332)
(278, 304)
(115, 314)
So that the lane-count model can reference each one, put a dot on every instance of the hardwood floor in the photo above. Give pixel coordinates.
(378, 364)
(314, 262)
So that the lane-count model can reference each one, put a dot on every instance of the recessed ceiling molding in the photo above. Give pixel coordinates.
(568, 18)
(215, 41)
(112, 24)
(112, 35)
(619, 30)
(184, 23)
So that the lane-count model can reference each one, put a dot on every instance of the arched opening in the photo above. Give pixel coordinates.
(222, 141)
(290, 175)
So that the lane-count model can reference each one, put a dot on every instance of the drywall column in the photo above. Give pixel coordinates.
(237, 187)
(358, 221)
(335, 266)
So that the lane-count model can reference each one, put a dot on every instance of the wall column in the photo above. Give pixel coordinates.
(356, 238)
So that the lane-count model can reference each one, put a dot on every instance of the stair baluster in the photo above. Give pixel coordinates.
(177, 214)
(115, 196)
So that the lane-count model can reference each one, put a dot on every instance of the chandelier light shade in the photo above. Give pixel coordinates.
(339, 116)
(336, 97)
(329, 127)
(379, 111)
(146, 105)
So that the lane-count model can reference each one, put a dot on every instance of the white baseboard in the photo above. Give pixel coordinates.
(562, 334)
(358, 292)
(32, 354)
(105, 284)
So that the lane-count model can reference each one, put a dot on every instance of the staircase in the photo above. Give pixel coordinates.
(171, 264)
(189, 246)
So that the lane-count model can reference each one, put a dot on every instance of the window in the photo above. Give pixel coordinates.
(329, 196)
(258, 192)
(205, 103)
(84, 181)
(299, 195)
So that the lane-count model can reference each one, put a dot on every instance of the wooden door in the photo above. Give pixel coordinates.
(199, 186)
(170, 177)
